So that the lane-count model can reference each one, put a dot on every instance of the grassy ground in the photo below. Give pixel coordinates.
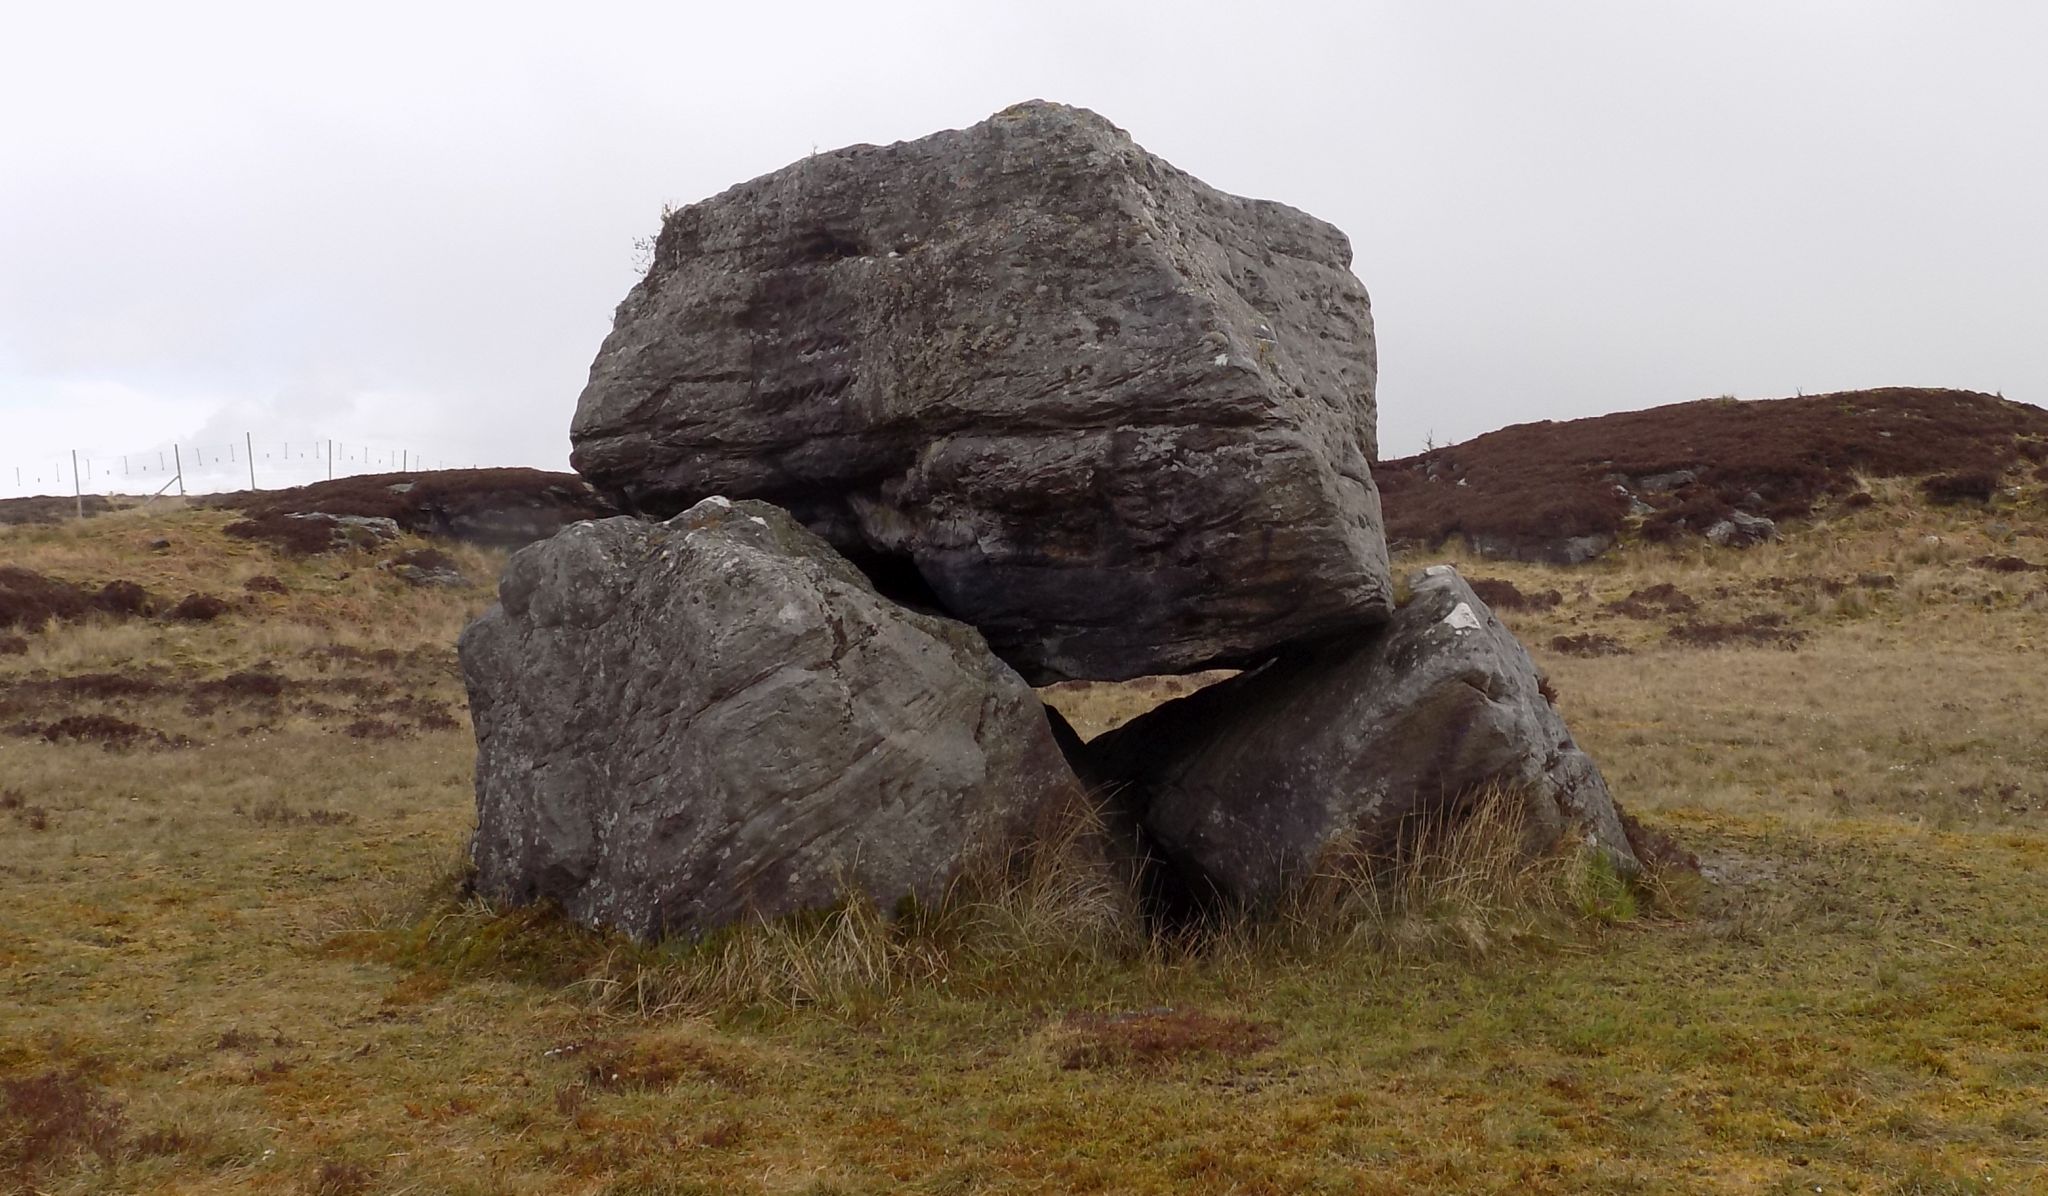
(215, 974)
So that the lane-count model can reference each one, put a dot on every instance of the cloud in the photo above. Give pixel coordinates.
(410, 223)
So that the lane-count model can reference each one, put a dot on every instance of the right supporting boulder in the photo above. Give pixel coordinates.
(1245, 786)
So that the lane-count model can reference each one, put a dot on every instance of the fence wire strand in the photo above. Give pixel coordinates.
(252, 463)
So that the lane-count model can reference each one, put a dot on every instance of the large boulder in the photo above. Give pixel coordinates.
(683, 724)
(1245, 785)
(1026, 372)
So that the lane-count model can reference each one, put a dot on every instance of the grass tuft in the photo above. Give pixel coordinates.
(1043, 916)
(1049, 919)
(1459, 883)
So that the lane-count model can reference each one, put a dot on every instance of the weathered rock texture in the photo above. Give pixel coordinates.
(1116, 419)
(1245, 785)
(1741, 530)
(681, 724)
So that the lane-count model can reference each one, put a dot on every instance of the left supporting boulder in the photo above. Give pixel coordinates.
(683, 724)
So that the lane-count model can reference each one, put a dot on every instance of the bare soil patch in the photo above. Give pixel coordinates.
(1655, 602)
(1758, 631)
(1157, 1038)
(1501, 594)
(1590, 643)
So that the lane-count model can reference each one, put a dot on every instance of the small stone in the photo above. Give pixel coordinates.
(1740, 530)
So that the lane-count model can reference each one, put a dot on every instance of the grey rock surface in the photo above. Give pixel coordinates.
(511, 518)
(1664, 483)
(416, 575)
(1563, 550)
(1118, 420)
(686, 723)
(1741, 530)
(353, 531)
(1245, 785)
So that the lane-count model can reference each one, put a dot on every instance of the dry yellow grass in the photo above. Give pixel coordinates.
(223, 942)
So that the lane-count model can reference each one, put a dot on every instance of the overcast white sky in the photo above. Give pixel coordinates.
(409, 223)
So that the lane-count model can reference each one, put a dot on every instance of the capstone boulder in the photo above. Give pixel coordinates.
(684, 724)
(1025, 373)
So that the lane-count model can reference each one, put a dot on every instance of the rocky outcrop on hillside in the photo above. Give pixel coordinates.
(686, 723)
(1247, 785)
(492, 508)
(1025, 372)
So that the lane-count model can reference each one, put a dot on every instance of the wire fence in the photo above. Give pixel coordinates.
(210, 467)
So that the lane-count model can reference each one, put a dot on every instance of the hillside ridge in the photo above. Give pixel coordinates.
(1566, 491)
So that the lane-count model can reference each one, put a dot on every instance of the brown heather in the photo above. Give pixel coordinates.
(1549, 480)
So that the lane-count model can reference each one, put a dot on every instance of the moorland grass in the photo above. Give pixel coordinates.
(245, 964)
